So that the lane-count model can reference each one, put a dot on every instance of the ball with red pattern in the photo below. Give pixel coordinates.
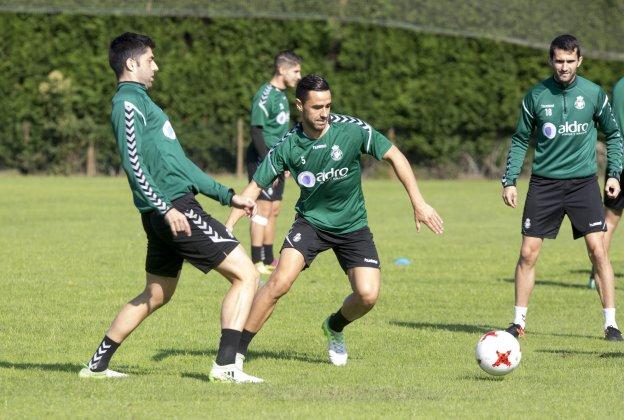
(498, 353)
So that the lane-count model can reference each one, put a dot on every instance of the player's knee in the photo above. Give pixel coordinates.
(279, 286)
(368, 297)
(528, 255)
(598, 254)
(157, 298)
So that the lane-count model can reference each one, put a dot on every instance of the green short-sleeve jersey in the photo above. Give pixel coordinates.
(270, 110)
(157, 168)
(327, 170)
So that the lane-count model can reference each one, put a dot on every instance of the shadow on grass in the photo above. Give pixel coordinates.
(587, 272)
(483, 377)
(282, 355)
(51, 367)
(477, 329)
(63, 367)
(572, 353)
(197, 376)
(557, 283)
(167, 353)
(472, 329)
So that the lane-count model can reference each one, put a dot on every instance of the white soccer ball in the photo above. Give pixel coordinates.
(498, 352)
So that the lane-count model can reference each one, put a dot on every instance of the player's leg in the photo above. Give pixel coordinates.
(158, 291)
(524, 280)
(290, 265)
(613, 213)
(162, 265)
(541, 218)
(365, 284)
(269, 231)
(605, 282)
(357, 255)
(585, 210)
(238, 269)
(300, 247)
(269, 235)
(257, 231)
(612, 218)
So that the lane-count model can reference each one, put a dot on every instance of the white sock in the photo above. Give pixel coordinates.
(520, 315)
(609, 314)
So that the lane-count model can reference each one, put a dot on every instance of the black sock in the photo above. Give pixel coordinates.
(246, 338)
(337, 321)
(256, 254)
(228, 346)
(101, 357)
(268, 253)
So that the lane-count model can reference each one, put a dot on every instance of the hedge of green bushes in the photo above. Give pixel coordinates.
(452, 102)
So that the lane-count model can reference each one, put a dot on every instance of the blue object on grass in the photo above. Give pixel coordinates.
(402, 261)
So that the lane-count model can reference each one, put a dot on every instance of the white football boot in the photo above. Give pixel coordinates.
(240, 360)
(231, 373)
(108, 373)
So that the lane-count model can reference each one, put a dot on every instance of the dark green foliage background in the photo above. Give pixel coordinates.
(453, 102)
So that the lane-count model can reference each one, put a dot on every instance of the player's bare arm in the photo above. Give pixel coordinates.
(423, 212)
(250, 193)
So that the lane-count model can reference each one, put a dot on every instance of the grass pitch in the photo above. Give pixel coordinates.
(72, 253)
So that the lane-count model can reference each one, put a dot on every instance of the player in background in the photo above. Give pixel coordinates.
(564, 111)
(270, 120)
(613, 206)
(323, 155)
(164, 183)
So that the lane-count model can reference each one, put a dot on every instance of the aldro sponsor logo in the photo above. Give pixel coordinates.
(568, 129)
(308, 179)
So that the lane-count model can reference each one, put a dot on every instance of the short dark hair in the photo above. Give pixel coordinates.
(566, 43)
(125, 46)
(308, 83)
(286, 57)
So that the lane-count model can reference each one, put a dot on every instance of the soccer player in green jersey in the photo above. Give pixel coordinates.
(323, 155)
(270, 120)
(613, 206)
(164, 183)
(563, 112)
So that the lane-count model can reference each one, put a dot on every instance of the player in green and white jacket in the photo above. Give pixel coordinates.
(270, 120)
(563, 113)
(323, 155)
(164, 183)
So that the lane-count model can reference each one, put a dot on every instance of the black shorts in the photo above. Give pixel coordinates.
(548, 200)
(616, 203)
(206, 248)
(274, 192)
(353, 249)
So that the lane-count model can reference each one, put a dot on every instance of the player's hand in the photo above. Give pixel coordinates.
(510, 196)
(612, 188)
(177, 222)
(244, 203)
(426, 214)
(286, 174)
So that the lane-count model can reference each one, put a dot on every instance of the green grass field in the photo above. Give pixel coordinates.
(72, 252)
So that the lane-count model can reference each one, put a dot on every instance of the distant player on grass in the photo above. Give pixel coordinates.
(323, 155)
(613, 206)
(564, 111)
(270, 120)
(164, 183)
